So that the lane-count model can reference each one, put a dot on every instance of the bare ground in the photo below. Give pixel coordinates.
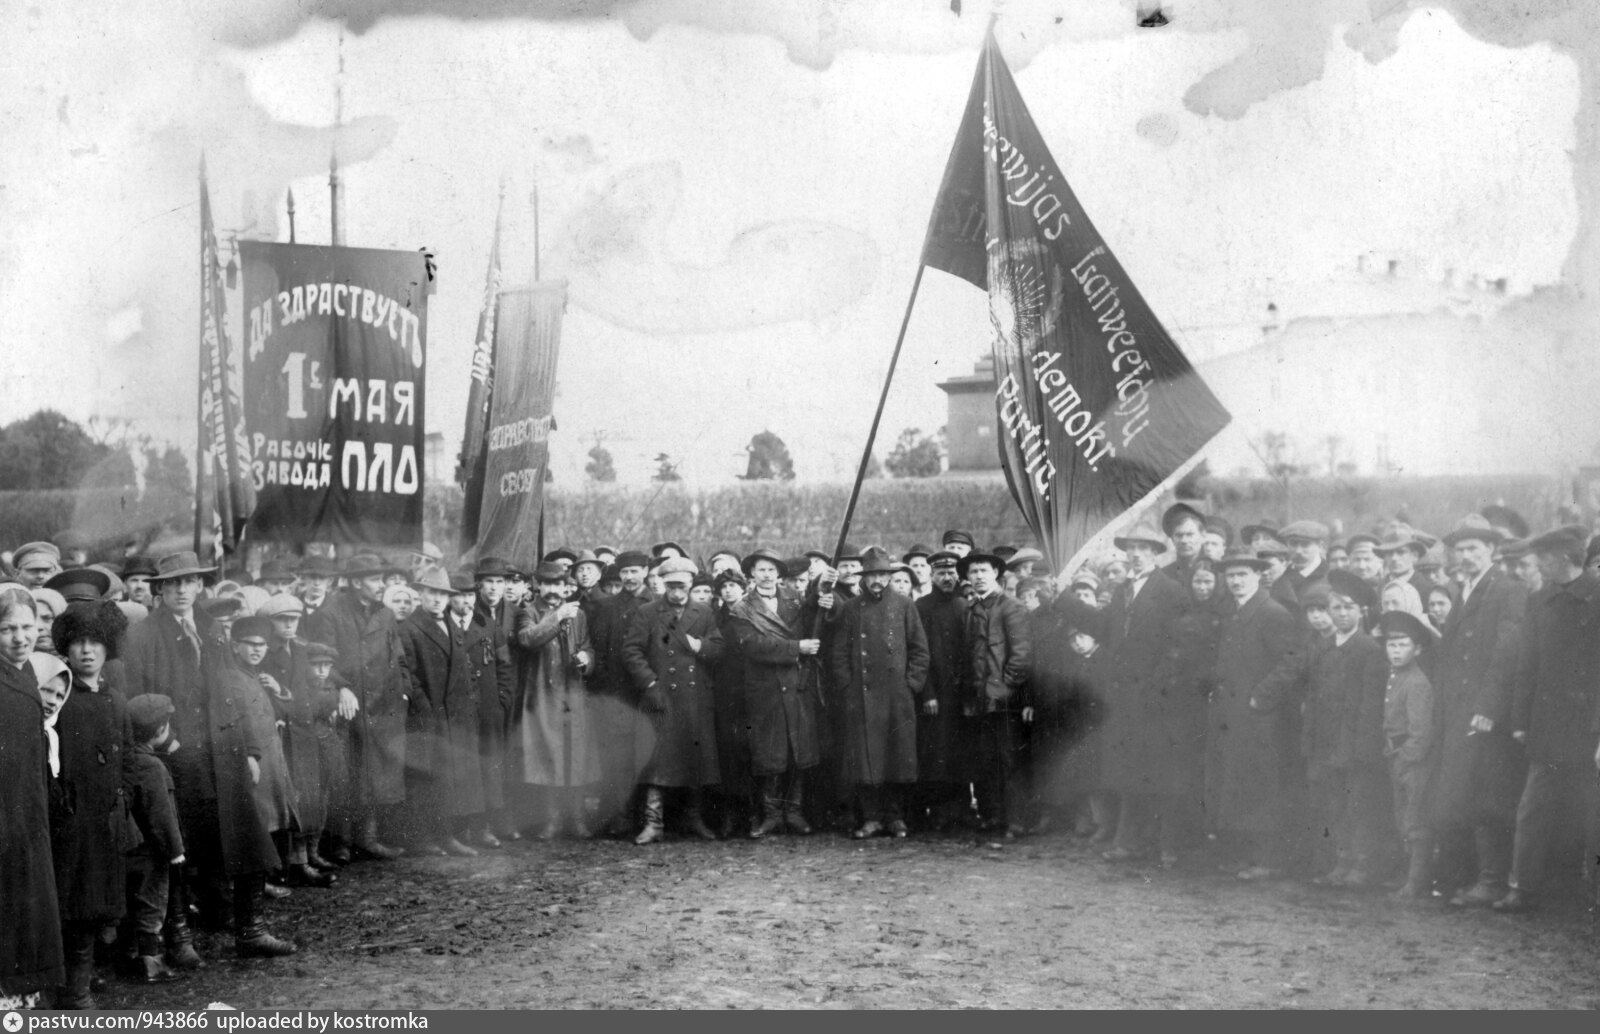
(826, 922)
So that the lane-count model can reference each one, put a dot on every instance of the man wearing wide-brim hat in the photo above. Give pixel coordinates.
(1479, 768)
(613, 698)
(1250, 792)
(372, 664)
(1402, 549)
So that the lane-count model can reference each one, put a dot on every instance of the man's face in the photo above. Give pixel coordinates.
(1214, 546)
(491, 589)
(960, 549)
(764, 573)
(371, 587)
(1345, 612)
(849, 571)
(1367, 565)
(252, 650)
(284, 626)
(37, 570)
(1527, 569)
(1474, 556)
(1141, 558)
(434, 601)
(1338, 559)
(945, 579)
(982, 575)
(676, 590)
(1242, 582)
(701, 593)
(86, 657)
(552, 593)
(900, 581)
(178, 594)
(139, 589)
(875, 584)
(461, 604)
(1399, 563)
(655, 583)
(1276, 565)
(1552, 567)
(1305, 553)
(633, 578)
(1187, 537)
(314, 588)
(516, 589)
(921, 568)
(1117, 572)
(587, 575)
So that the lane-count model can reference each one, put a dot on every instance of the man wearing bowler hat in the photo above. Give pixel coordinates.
(614, 699)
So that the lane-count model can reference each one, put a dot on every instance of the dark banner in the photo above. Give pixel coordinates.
(1097, 406)
(225, 461)
(527, 341)
(473, 465)
(334, 386)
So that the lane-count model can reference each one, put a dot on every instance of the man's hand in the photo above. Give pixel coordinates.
(582, 660)
(255, 771)
(177, 861)
(567, 611)
(810, 647)
(270, 684)
(694, 644)
(1482, 724)
(348, 704)
(1027, 715)
(930, 707)
(825, 601)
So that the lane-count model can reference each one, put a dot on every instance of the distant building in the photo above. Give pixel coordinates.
(970, 421)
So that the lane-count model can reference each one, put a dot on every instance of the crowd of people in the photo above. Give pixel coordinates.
(180, 745)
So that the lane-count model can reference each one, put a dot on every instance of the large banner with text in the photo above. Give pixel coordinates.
(335, 363)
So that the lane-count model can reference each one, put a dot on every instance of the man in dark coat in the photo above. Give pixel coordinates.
(1186, 527)
(1478, 768)
(879, 662)
(614, 698)
(667, 650)
(297, 707)
(372, 663)
(444, 775)
(1308, 564)
(488, 654)
(1252, 751)
(779, 703)
(1551, 715)
(941, 754)
(999, 653)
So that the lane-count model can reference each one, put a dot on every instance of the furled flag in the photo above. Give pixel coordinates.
(474, 458)
(225, 459)
(1098, 409)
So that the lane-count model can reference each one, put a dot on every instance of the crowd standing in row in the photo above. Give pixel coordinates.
(1391, 708)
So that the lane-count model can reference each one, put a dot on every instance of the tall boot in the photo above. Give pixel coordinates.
(151, 968)
(771, 807)
(694, 815)
(794, 818)
(1419, 875)
(250, 934)
(1493, 849)
(367, 842)
(180, 938)
(653, 827)
(78, 945)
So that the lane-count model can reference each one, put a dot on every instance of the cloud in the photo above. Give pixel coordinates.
(614, 249)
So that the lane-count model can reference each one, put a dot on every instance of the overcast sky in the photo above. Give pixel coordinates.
(737, 192)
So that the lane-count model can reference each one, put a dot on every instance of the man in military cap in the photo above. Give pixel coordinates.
(667, 650)
(36, 563)
(1364, 558)
(614, 698)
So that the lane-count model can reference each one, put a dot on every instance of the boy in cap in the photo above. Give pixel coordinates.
(334, 706)
(1408, 739)
(154, 806)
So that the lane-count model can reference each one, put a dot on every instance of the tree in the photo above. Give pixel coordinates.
(915, 455)
(1273, 449)
(46, 450)
(600, 467)
(666, 469)
(769, 459)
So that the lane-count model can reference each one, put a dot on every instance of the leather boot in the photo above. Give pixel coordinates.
(794, 819)
(367, 842)
(694, 815)
(151, 968)
(78, 948)
(1419, 876)
(653, 827)
(180, 938)
(250, 934)
(771, 808)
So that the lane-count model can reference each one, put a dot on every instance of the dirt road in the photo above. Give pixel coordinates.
(826, 922)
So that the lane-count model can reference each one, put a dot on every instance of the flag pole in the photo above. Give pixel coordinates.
(200, 381)
(877, 417)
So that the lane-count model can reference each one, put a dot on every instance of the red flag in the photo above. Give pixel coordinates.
(1098, 408)
(226, 456)
(473, 466)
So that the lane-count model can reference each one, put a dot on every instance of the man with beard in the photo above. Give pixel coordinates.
(995, 669)
(942, 794)
(667, 649)
(613, 697)
(779, 702)
(879, 660)
(372, 663)
(553, 734)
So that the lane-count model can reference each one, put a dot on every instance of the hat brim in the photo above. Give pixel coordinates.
(1123, 543)
(184, 572)
(964, 564)
(1488, 536)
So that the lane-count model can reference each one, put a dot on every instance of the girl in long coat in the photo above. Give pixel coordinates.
(30, 925)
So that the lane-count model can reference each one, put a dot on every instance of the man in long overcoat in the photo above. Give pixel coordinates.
(1253, 759)
(442, 751)
(998, 660)
(372, 663)
(779, 703)
(1557, 689)
(879, 660)
(667, 650)
(494, 677)
(613, 697)
(942, 775)
(1478, 768)
(553, 735)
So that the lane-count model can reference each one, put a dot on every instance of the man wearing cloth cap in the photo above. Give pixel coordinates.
(1553, 715)
(1308, 564)
(667, 650)
(553, 733)
(958, 542)
(1478, 770)
(1186, 527)
(316, 583)
(36, 563)
(372, 662)
(941, 795)
(879, 659)
(613, 698)
(996, 666)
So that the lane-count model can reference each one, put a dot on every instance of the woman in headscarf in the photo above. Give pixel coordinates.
(30, 927)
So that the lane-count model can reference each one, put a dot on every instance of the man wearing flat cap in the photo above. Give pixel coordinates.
(36, 563)
(1478, 768)
(372, 662)
(1308, 562)
(1186, 527)
(1553, 715)
(958, 542)
(614, 699)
